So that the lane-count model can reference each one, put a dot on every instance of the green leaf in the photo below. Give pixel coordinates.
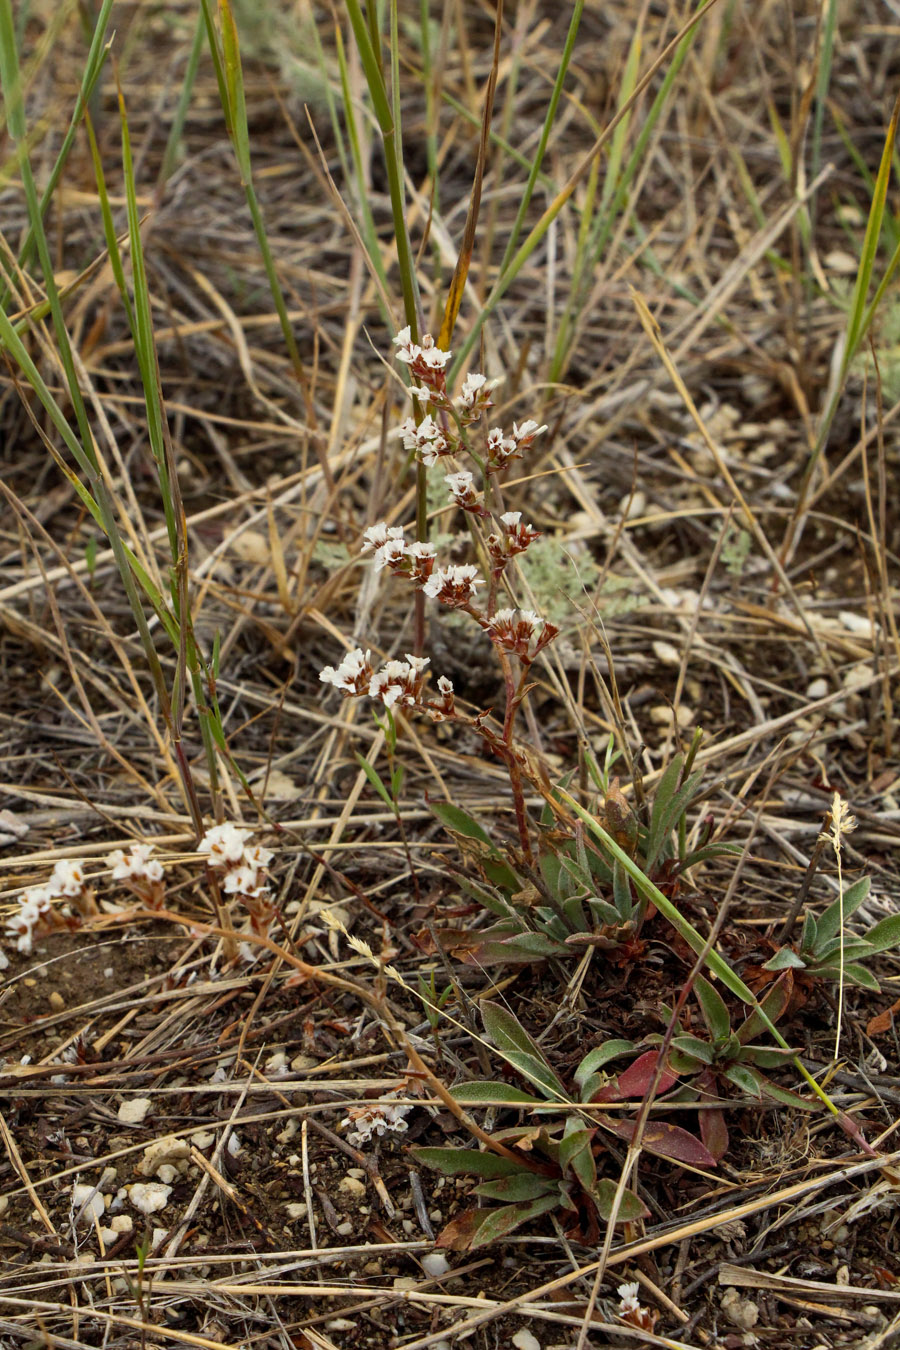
(713, 1008)
(852, 949)
(622, 896)
(375, 779)
(605, 912)
(456, 820)
(515, 1189)
(885, 934)
(454, 1162)
(492, 902)
(840, 911)
(575, 1153)
(770, 1009)
(523, 947)
(631, 1207)
(695, 1047)
(763, 1056)
(853, 972)
(501, 1222)
(482, 1093)
(507, 1032)
(785, 959)
(600, 1055)
(808, 934)
(537, 1071)
(743, 1078)
(665, 792)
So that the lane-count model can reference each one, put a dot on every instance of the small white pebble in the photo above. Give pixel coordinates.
(352, 1186)
(122, 1223)
(344, 1229)
(435, 1264)
(405, 1282)
(296, 1210)
(817, 688)
(149, 1198)
(856, 623)
(203, 1139)
(526, 1340)
(661, 715)
(88, 1202)
(665, 652)
(134, 1111)
(633, 506)
(857, 675)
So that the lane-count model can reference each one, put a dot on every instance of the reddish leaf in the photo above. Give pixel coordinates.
(714, 1132)
(882, 1022)
(666, 1141)
(713, 1129)
(636, 1080)
(459, 1233)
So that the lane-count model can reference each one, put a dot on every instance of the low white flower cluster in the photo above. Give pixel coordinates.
(631, 1310)
(439, 433)
(520, 631)
(375, 1118)
(243, 866)
(140, 872)
(396, 683)
(36, 912)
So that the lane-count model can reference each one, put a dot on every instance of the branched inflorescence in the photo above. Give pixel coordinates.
(442, 430)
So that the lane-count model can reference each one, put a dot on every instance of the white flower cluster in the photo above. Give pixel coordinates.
(454, 586)
(428, 441)
(516, 538)
(502, 449)
(36, 913)
(135, 865)
(352, 675)
(397, 682)
(426, 362)
(376, 1118)
(413, 561)
(463, 491)
(226, 847)
(140, 872)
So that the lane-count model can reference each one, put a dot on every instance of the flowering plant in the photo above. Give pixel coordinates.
(441, 429)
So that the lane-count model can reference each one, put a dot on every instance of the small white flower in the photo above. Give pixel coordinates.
(454, 585)
(351, 674)
(523, 435)
(459, 483)
(471, 388)
(511, 518)
(421, 550)
(628, 1294)
(377, 1118)
(67, 878)
(403, 338)
(135, 865)
(445, 685)
(243, 880)
(257, 856)
(376, 536)
(224, 844)
(390, 554)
